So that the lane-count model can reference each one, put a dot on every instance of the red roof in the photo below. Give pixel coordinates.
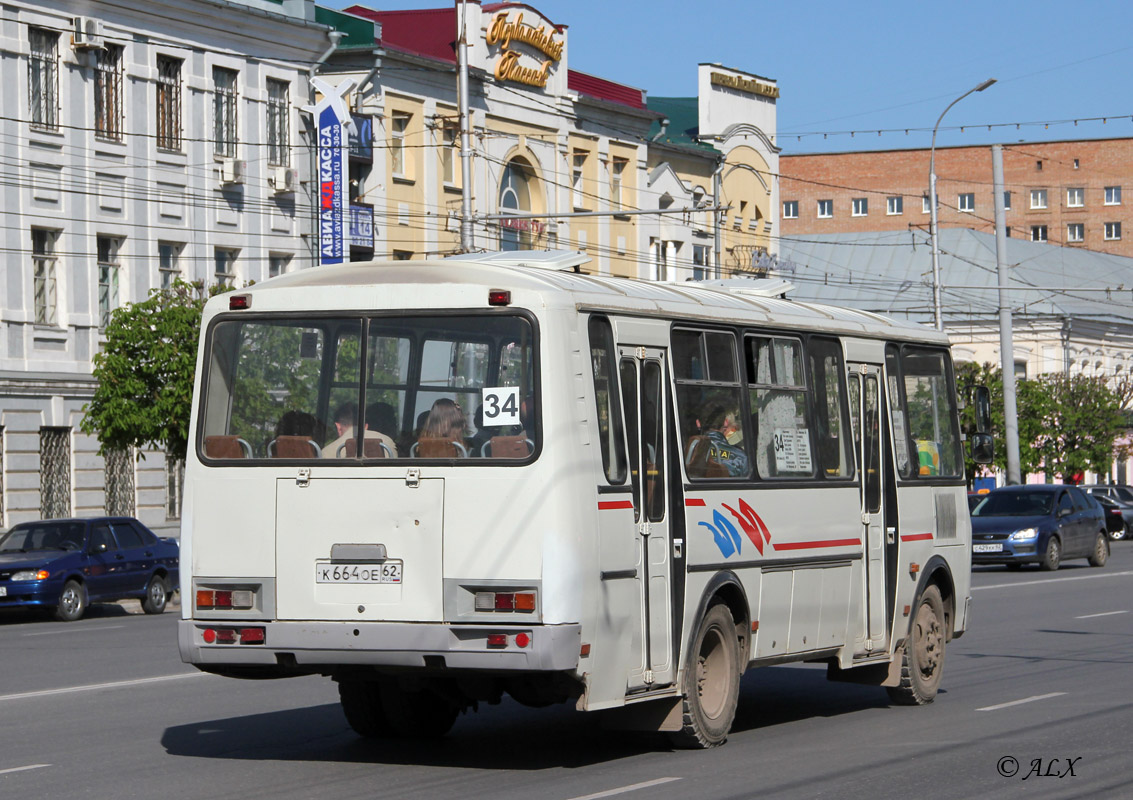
(603, 89)
(432, 33)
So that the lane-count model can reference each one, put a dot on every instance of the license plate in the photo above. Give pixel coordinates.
(987, 548)
(385, 572)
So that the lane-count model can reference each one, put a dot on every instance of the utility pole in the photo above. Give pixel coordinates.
(1006, 343)
(465, 131)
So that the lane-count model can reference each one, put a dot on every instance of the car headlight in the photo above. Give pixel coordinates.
(1025, 535)
(31, 575)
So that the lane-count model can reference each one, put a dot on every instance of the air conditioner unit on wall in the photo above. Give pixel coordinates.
(284, 180)
(232, 171)
(87, 34)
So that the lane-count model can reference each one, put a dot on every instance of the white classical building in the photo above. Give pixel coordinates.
(142, 142)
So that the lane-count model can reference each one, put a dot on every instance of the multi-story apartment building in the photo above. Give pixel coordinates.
(1066, 193)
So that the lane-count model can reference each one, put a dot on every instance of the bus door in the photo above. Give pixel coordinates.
(643, 383)
(865, 409)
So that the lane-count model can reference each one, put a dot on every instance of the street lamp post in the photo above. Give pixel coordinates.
(937, 316)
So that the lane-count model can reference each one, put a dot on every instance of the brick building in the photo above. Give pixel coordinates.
(1065, 193)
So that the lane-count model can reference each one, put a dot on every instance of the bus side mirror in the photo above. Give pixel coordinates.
(983, 448)
(983, 409)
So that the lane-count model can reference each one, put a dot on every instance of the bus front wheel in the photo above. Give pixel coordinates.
(922, 660)
(711, 682)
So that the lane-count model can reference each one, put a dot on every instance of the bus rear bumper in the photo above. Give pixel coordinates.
(311, 646)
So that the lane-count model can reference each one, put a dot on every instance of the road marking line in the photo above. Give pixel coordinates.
(1103, 614)
(1052, 580)
(95, 686)
(79, 629)
(23, 769)
(1020, 702)
(632, 788)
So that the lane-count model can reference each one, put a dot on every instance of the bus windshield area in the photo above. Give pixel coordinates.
(350, 388)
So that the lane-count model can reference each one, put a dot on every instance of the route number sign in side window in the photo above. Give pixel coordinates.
(501, 406)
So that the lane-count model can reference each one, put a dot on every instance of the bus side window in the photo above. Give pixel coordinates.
(603, 365)
(831, 432)
(709, 404)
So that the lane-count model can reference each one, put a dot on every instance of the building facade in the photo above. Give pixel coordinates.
(1065, 193)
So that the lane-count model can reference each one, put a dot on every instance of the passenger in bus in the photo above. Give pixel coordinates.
(381, 421)
(296, 435)
(724, 440)
(344, 425)
(443, 435)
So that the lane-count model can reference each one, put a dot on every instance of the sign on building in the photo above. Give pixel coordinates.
(333, 124)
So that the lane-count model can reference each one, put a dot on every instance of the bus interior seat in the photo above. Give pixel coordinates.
(518, 446)
(429, 447)
(227, 446)
(293, 447)
(371, 448)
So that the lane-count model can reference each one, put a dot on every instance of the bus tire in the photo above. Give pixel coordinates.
(922, 660)
(417, 714)
(362, 705)
(711, 682)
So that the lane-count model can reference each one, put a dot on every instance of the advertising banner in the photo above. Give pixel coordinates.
(332, 126)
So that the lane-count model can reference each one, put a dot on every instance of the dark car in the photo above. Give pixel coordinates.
(1119, 516)
(1041, 524)
(67, 564)
(974, 499)
(1119, 492)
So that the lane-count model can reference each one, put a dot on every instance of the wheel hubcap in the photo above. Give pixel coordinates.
(157, 593)
(930, 638)
(70, 600)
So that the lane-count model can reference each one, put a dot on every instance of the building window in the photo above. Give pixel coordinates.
(109, 266)
(1113, 195)
(168, 103)
(108, 92)
(1038, 198)
(515, 196)
(1038, 166)
(118, 475)
(43, 269)
(402, 255)
(168, 254)
(1075, 163)
(966, 202)
(1112, 231)
(174, 487)
(825, 209)
(699, 262)
(617, 170)
(859, 207)
(225, 270)
(399, 124)
(790, 209)
(1007, 201)
(277, 264)
(224, 111)
(1075, 232)
(54, 473)
(925, 207)
(1074, 197)
(1038, 233)
(43, 78)
(279, 127)
(449, 135)
(578, 166)
(894, 205)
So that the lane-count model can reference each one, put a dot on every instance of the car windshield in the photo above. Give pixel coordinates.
(1124, 493)
(43, 536)
(1015, 504)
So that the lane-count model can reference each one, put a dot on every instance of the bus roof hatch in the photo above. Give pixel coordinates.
(559, 260)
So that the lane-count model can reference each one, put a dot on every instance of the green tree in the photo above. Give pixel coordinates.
(145, 373)
(1031, 404)
(1080, 424)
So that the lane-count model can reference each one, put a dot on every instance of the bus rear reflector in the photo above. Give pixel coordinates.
(499, 297)
(522, 640)
(209, 635)
(226, 636)
(497, 640)
(252, 635)
(239, 302)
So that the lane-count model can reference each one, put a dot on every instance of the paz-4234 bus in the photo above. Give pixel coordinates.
(441, 481)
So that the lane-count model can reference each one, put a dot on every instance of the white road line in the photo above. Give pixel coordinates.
(91, 687)
(1020, 702)
(79, 629)
(1103, 614)
(23, 769)
(632, 788)
(1053, 580)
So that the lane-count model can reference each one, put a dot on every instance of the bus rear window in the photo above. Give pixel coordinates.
(452, 387)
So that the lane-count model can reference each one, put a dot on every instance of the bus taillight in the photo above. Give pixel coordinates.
(499, 297)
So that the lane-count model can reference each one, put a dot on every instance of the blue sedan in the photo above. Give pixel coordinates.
(1039, 523)
(67, 564)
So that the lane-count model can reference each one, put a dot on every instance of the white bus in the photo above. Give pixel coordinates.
(440, 481)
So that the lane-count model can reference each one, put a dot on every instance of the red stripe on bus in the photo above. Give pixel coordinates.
(694, 501)
(916, 537)
(609, 505)
(813, 545)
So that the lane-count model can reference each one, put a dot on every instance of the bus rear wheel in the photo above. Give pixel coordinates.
(362, 704)
(922, 660)
(711, 682)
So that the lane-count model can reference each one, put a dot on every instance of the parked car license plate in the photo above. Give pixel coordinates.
(385, 572)
(987, 548)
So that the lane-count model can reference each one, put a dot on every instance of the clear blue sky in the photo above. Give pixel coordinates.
(873, 65)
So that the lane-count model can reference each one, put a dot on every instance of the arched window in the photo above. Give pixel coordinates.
(515, 195)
